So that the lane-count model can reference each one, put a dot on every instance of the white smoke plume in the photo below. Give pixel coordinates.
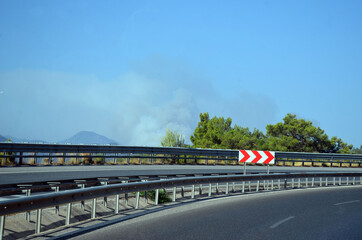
(134, 109)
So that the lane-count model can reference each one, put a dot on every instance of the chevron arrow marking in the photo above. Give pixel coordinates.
(253, 156)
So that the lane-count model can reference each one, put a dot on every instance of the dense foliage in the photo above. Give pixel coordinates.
(293, 134)
(173, 139)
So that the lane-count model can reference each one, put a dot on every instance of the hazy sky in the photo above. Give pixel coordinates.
(130, 69)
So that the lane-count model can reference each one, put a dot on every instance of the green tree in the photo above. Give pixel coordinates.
(217, 132)
(173, 139)
(299, 135)
(209, 133)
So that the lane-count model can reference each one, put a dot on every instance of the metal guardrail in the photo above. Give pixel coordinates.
(20, 151)
(40, 202)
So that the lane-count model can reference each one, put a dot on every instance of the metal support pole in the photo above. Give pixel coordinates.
(298, 182)
(257, 186)
(347, 181)
(279, 184)
(249, 186)
(306, 182)
(272, 184)
(354, 181)
(174, 195)
(244, 168)
(292, 182)
(285, 183)
(137, 200)
(233, 187)
(200, 189)
(313, 182)
(193, 192)
(69, 214)
(243, 188)
(126, 198)
(116, 208)
(217, 188)
(326, 181)
(360, 180)
(38, 221)
(94, 206)
(227, 189)
(320, 182)
(340, 181)
(334, 181)
(183, 191)
(2, 226)
(210, 189)
(156, 196)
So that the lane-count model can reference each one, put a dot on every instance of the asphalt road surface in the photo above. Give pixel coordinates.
(324, 213)
(14, 175)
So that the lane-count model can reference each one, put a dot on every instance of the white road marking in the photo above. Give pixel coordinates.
(354, 201)
(281, 222)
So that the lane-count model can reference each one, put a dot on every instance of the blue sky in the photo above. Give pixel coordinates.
(131, 69)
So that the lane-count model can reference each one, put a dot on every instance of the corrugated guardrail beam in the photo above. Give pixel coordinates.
(36, 150)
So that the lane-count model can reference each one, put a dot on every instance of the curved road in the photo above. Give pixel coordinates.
(323, 213)
(14, 175)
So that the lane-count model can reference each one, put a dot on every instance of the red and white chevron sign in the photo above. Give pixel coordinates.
(256, 156)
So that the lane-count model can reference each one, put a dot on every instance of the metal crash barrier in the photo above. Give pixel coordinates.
(239, 183)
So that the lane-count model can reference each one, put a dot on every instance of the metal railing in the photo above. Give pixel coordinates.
(252, 182)
(17, 152)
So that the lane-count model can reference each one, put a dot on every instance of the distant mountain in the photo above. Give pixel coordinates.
(3, 139)
(86, 137)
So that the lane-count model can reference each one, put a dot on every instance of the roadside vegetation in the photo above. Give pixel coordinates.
(293, 134)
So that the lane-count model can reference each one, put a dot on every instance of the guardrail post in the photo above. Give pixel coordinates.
(279, 184)
(193, 192)
(249, 186)
(2, 226)
(306, 182)
(320, 182)
(217, 188)
(38, 221)
(334, 181)
(354, 181)
(81, 184)
(340, 181)
(210, 189)
(243, 187)
(233, 187)
(285, 183)
(69, 213)
(116, 208)
(326, 181)
(347, 183)
(200, 189)
(137, 200)
(94, 208)
(156, 196)
(227, 189)
(298, 182)
(55, 187)
(360, 180)
(272, 184)
(183, 191)
(292, 182)
(174, 195)
(313, 182)
(257, 186)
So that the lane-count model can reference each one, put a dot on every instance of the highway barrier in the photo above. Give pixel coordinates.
(240, 184)
(59, 154)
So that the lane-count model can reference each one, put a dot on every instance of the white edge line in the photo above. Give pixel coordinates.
(354, 201)
(281, 222)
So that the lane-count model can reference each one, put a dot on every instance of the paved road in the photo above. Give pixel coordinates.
(13, 175)
(329, 213)
(36, 174)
